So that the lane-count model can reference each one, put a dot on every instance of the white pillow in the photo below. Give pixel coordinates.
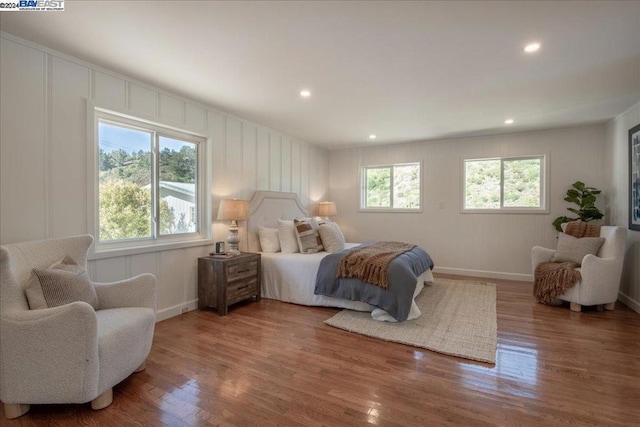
(331, 236)
(574, 249)
(62, 283)
(287, 237)
(269, 241)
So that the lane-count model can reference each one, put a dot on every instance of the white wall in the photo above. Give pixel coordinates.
(43, 155)
(617, 174)
(489, 245)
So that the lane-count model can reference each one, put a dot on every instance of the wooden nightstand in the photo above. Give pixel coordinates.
(226, 281)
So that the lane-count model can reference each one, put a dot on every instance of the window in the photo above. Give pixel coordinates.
(148, 181)
(391, 187)
(507, 184)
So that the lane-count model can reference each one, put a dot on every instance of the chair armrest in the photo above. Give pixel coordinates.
(138, 291)
(540, 254)
(50, 349)
(600, 279)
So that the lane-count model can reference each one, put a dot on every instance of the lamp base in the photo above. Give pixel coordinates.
(232, 241)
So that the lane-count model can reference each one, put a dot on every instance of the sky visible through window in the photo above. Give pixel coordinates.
(130, 140)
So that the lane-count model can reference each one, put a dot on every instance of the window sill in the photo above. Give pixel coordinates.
(388, 210)
(145, 248)
(505, 211)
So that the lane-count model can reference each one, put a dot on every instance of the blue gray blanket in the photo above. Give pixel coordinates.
(403, 272)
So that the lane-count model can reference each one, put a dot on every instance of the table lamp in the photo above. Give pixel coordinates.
(233, 210)
(327, 209)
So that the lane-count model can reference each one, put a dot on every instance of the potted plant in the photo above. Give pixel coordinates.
(585, 198)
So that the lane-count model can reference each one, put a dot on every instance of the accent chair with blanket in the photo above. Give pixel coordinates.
(63, 338)
(598, 274)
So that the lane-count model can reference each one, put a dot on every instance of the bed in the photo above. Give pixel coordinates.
(291, 277)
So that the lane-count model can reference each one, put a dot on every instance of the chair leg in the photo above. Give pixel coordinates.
(575, 307)
(15, 410)
(610, 306)
(103, 400)
(142, 367)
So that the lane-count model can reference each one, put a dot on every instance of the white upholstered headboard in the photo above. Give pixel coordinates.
(266, 207)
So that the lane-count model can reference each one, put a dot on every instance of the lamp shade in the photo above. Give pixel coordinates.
(327, 209)
(233, 210)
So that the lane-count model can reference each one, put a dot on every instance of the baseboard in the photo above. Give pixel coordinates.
(176, 310)
(487, 274)
(629, 302)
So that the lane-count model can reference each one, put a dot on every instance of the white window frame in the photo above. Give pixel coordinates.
(106, 249)
(363, 189)
(544, 189)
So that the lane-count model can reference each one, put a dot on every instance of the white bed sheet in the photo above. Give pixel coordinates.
(292, 278)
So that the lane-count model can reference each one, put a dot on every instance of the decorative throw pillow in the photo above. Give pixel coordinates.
(287, 237)
(60, 284)
(307, 235)
(331, 236)
(573, 249)
(269, 241)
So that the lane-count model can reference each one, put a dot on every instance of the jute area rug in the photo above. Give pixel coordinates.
(458, 318)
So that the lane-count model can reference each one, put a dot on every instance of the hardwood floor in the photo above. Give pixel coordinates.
(271, 363)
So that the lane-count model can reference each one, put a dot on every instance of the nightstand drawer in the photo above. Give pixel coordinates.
(242, 270)
(242, 290)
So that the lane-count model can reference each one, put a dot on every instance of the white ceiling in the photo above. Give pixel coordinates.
(405, 71)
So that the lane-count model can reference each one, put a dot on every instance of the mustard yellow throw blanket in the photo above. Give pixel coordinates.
(552, 279)
(370, 263)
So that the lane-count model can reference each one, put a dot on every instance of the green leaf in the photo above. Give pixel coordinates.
(557, 223)
(575, 200)
(578, 185)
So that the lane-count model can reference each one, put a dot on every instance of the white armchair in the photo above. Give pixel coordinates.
(600, 274)
(70, 353)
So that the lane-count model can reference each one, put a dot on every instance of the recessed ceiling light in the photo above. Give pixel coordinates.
(305, 93)
(372, 136)
(508, 122)
(532, 47)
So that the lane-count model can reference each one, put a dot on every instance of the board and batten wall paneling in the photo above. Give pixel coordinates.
(24, 207)
(285, 165)
(109, 90)
(171, 277)
(217, 145)
(491, 245)
(171, 110)
(233, 151)
(275, 170)
(68, 147)
(318, 174)
(195, 117)
(111, 269)
(296, 180)
(143, 101)
(43, 155)
(249, 159)
(263, 174)
(304, 173)
(617, 169)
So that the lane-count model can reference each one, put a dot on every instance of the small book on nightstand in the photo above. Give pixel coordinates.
(218, 255)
